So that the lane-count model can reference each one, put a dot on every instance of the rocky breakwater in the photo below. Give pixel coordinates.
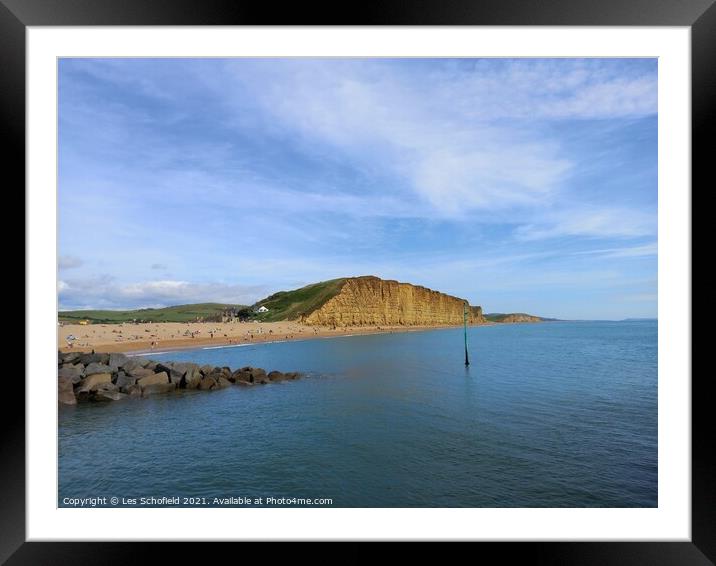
(113, 377)
(371, 301)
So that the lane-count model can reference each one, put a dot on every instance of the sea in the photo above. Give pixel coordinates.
(553, 414)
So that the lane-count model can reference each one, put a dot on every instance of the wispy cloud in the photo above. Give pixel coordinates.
(538, 89)
(373, 115)
(646, 250)
(597, 221)
(266, 174)
(106, 292)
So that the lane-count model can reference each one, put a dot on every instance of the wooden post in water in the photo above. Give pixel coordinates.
(464, 316)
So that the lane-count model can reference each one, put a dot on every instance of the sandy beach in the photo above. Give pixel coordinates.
(163, 336)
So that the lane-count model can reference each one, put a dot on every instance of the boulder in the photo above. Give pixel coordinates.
(86, 359)
(106, 387)
(131, 365)
(223, 383)
(109, 396)
(116, 361)
(104, 359)
(184, 367)
(139, 372)
(165, 367)
(241, 376)
(158, 388)
(95, 367)
(69, 357)
(151, 365)
(124, 380)
(276, 376)
(92, 382)
(216, 375)
(65, 393)
(257, 375)
(132, 390)
(250, 375)
(206, 383)
(175, 376)
(192, 379)
(75, 373)
(66, 398)
(291, 375)
(155, 378)
(206, 369)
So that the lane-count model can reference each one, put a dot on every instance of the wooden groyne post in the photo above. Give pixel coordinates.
(464, 316)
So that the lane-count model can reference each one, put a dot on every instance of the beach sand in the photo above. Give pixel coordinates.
(163, 336)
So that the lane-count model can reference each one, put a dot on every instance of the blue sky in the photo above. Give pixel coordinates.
(520, 184)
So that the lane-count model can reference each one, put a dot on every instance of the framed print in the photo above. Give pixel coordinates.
(422, 275)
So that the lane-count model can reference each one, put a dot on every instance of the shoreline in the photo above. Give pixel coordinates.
(250, 334)
(218, 345)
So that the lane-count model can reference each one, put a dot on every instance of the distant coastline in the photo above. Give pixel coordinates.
(337, 307)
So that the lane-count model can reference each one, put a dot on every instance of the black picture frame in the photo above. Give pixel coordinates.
(699, 15)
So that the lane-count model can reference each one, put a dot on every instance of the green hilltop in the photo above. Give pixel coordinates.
(500, 316)
(206, 312)
(290, 305)
(284, 305)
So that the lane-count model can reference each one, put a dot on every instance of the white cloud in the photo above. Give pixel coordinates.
(450, 136)
(645, 250)
(106, 292)
(380, 121)
(596, 222)
(537, 89)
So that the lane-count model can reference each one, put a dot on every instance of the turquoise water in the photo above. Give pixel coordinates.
(557, 414)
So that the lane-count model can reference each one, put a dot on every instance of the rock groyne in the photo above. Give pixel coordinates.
(97, 377)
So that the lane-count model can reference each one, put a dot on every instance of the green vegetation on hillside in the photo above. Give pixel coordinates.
(495, 316)
(290, 305)
(206, 312)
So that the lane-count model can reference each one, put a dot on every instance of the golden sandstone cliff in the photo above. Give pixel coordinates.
(371, 301)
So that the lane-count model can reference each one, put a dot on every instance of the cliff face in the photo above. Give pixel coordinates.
(370, 301)
(519, 317)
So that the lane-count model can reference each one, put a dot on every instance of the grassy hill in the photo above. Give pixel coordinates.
(207, 312)
(501, 316)
(290, 305)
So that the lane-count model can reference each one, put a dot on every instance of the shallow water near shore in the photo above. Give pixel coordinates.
(559, 414)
